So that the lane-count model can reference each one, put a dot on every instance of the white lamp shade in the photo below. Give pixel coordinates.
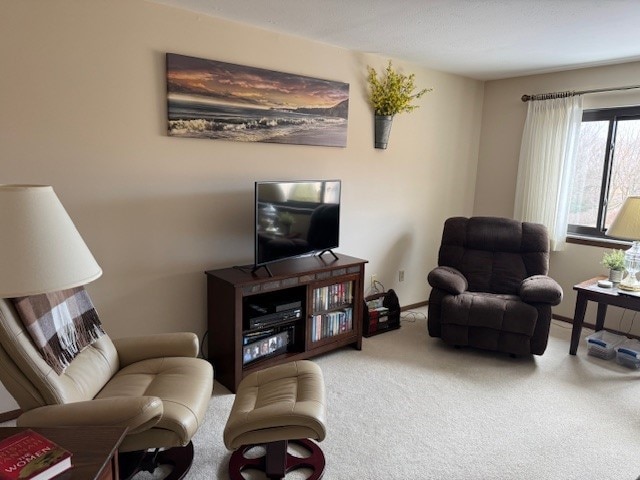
(627, 223)
(41, 250)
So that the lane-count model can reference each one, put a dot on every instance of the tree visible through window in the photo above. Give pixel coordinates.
(607, 168)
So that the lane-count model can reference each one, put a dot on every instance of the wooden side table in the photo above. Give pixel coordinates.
(94, 449)
(589, 290)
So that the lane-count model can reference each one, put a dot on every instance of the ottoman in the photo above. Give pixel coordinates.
(273, 407)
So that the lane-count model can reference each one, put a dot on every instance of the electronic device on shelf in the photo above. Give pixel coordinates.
(295, 218)
(267, 314)
(275, 318)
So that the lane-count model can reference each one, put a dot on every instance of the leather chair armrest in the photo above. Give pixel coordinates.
(137, 413)
(134, 349)
(540, 289)
(448, 279)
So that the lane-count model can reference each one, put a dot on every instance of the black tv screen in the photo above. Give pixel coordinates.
(294, 218)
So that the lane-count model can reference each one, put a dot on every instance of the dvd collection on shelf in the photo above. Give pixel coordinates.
(325, 325)
(332, 296)
(267, 342)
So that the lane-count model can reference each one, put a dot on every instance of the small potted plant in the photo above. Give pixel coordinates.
(614, 261)
(389, 94)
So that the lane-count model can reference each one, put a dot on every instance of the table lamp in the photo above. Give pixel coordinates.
(41, 250)
(626, 225)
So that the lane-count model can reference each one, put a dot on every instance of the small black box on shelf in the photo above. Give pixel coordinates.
(381, 313)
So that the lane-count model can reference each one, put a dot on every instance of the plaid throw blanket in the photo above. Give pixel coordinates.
(61, 324)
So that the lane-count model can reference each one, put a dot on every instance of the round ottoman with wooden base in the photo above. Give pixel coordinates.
(281, 404)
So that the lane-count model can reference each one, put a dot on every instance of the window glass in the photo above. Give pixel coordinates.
(625, 169)
(604, 178)
(585, 192)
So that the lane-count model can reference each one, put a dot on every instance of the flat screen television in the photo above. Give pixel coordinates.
(295, 218)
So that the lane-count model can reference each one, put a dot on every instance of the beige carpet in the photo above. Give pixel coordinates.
(409, 407)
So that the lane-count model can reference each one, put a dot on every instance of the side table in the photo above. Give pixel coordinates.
(589, 290)
(94, 449)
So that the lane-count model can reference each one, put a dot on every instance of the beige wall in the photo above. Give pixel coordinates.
(502, 123)
(83, 109)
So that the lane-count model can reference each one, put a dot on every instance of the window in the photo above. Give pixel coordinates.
(607, 168)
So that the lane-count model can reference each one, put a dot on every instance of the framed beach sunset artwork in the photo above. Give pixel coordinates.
(225, 101)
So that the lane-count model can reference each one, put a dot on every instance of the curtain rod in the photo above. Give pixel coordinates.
(548, 96)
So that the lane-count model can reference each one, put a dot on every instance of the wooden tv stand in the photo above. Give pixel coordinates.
(311, 305)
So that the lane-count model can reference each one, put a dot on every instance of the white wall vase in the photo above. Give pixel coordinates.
(615, 276)
(382, 130)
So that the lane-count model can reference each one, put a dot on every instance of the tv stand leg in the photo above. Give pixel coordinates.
(328, 251)
(258, 267)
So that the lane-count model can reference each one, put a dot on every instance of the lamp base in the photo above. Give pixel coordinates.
(630, 283)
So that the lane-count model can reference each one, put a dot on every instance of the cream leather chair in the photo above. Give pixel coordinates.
(154, 385)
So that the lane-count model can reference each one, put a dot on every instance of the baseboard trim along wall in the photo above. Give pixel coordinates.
(592, 326)
(414, 305)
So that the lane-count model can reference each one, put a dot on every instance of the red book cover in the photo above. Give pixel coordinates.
(29, 455)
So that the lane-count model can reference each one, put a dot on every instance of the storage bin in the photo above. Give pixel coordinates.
(628, 353)
(380, 313)
(602, 344)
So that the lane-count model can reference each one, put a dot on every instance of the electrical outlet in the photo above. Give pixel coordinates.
(401, 276)
(374, 279)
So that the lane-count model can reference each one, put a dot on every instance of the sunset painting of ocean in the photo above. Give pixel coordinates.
(217, 100)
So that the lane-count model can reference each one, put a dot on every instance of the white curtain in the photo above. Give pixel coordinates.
(547, 159)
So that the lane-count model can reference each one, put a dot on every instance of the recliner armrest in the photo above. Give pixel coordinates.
(137, 413)
(540, 289)
(448, 279)
(134, 349)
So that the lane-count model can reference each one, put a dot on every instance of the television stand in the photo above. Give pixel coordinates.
(308, 307)
(328, 250)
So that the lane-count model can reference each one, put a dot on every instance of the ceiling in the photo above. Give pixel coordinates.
(481, 39)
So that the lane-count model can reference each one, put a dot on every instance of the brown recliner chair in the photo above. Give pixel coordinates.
(491, 288)
(154, 385)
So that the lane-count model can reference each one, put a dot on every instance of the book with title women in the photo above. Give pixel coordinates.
(29, 455)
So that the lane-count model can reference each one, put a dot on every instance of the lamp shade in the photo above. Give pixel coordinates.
(627, 223)
(41, 250)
